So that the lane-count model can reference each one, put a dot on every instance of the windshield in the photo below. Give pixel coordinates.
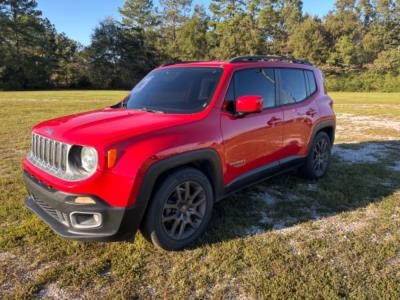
(175, 90)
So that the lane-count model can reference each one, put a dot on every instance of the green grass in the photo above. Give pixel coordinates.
(285, 238)
(382, 105)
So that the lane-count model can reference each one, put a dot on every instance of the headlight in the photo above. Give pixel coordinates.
(89, 159)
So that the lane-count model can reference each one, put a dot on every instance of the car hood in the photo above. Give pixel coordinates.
(107, 125)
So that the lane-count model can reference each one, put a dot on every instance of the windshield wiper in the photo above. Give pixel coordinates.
(146, 109)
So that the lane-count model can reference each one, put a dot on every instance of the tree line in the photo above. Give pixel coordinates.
(356, 44)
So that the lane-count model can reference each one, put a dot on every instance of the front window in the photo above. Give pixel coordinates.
(175, 90)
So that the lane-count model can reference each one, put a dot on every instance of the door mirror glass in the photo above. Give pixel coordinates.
(249, 104)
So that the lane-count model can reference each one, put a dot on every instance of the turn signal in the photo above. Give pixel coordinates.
(84, 200)
(111, 157)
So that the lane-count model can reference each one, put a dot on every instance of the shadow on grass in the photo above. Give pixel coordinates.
(359, 174)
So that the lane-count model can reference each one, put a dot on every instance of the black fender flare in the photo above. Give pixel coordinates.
(136, 214)
(318, 127)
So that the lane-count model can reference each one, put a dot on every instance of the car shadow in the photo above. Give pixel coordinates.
(359, 174)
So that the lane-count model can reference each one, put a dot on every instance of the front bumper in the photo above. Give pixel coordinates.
(55, 207)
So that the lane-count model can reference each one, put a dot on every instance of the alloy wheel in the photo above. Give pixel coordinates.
(184, 210)
(321, 156)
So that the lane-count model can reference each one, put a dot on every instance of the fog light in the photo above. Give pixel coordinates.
(85, 219)
(84, 200)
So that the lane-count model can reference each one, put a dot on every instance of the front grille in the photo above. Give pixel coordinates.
(56, 214)
(51, 156)
(49, 152)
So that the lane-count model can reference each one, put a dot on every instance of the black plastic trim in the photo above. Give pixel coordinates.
(260, 174)
(321, 125)
(159, 168)
(114, 226)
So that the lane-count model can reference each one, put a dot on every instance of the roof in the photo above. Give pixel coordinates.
(244, 60)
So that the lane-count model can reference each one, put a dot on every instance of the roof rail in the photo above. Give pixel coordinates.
(269, 58)
(179, 62)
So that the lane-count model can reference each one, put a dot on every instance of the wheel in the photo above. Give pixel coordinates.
(318, 159)
(180, 210)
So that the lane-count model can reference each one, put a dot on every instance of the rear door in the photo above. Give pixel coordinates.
(296, 95)
(254, 140)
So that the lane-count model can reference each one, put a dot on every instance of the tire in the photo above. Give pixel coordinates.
(183, 200)
(319, 157)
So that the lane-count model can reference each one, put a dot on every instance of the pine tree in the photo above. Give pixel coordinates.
(174, 14)
(192, 36)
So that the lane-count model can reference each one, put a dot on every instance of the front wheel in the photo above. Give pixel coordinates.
(318, 159)
(180, 210)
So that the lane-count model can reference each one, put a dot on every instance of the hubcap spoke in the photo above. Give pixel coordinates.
(170, 206)
(179, 194)
(187, 190)
(181, 229)
(175, 226)
(169, 218)
(197, 214)
(199, 202)
(195, 194)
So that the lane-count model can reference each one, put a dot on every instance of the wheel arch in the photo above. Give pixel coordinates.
(205, 160)
(327, 126)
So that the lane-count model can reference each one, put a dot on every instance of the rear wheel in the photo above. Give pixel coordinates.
(180, 210)
(318, 159)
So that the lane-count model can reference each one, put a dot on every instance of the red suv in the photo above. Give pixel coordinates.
(186, 136)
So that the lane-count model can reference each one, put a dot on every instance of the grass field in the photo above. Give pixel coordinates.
(285, 238)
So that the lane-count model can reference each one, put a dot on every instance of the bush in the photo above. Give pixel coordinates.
(369, 81)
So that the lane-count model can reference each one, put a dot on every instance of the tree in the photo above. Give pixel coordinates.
(139, 14)
(229, 32)
(174, 14)
(22, 31)
(192, 36)
(116, 57)
(310, 41)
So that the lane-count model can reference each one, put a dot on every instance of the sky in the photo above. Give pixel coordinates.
(78, 18)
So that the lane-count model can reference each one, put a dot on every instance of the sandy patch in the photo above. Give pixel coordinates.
(334, 225)
(269, 217)
(357, 127)
(367, 153)
(51, 291)
(366, 122)
(396, 166)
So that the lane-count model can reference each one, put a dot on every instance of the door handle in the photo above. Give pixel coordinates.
(311, 112)
(273, 121)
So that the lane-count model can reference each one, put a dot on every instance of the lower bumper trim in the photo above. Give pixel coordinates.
(53, 207)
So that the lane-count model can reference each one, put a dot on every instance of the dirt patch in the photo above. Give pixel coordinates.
(396, 166)
(334, 225)
(367, 122)
(351, 126)
(367, 153)
(51, 291)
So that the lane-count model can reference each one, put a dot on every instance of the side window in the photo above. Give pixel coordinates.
(230, 94)
(259, 82)
(311, 82)
(292, 86)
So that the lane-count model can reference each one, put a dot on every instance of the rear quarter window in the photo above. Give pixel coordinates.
(312, 85)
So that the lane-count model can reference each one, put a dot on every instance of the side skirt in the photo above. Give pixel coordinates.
(255, 176)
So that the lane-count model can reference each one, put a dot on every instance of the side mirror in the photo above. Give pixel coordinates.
(249, 104)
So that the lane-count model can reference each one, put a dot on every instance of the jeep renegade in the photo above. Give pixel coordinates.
(186, 136)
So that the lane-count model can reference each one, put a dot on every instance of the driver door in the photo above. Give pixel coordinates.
(253, 141)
